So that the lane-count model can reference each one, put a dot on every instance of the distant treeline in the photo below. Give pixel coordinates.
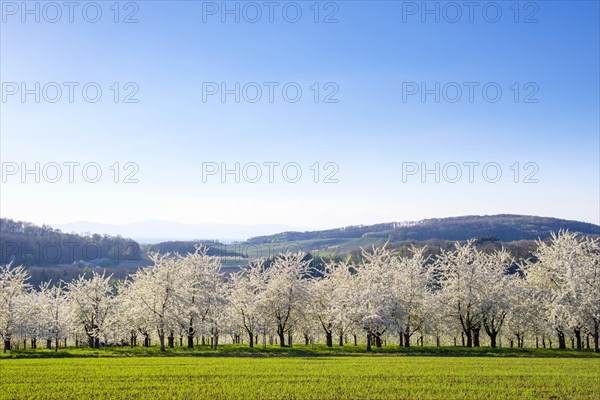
(31, 245)
(214, 248)
(504, 227)
(348, 232)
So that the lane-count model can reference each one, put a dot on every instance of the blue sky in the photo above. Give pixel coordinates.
(369, 133)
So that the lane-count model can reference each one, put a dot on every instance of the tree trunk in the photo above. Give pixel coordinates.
(190, 335)
(341, 339)
(49, 344)
(355, 339)
(378, 340)
(406, 340)
(281, 335)
(562, 344)
(437, 341)
(469, 339)
(369, 341)
(595, 335)
(578, 338)
(171, 340)
(329, 338)
(56, 344)
(251, 339)
(492, 339)
(587, 341)
(6, 345)
(476, 337)
(161, 338)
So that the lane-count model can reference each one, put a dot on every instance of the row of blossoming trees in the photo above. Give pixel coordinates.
(460, 296)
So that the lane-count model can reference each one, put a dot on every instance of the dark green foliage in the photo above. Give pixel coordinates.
(489, 228)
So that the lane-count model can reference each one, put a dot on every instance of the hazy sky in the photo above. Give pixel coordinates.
(362, 115)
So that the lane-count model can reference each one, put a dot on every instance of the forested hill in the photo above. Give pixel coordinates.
(32, 245)
(213, 248)
(503, 227)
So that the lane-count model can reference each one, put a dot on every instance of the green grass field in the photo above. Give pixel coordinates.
(375, 377)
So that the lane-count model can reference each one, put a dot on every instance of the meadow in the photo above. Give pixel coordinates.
(299, 374)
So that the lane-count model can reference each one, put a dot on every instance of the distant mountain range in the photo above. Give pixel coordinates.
(502, 227)
(155, 231)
